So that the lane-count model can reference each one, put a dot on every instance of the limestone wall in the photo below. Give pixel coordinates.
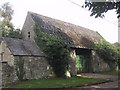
(6, 54)
(36, 68)
(28, 27)
(72, 65)
(98, 64)
(8, 74)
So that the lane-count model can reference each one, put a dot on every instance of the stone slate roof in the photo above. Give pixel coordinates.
(23, 47)
(75, 35)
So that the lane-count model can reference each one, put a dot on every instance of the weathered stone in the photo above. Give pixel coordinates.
(0, 74)
(99, 64)
(8, 74)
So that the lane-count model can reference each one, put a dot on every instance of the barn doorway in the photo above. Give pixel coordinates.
(83, 60)
(81, 64)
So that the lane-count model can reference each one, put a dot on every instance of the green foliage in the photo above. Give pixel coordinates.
(99, 8)
(108, 52)
(6, 27)
(15, 34)
(20, 68)
(56, 50)
(118, 46)
(6, 11)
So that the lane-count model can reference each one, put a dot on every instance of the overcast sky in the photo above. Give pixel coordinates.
(66, 11)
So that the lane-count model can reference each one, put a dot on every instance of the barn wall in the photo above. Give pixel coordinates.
(7, 55)
(28, 27)
(36, 67)
(98, 64)
(7, 70)
(73, 69)
(8, 74)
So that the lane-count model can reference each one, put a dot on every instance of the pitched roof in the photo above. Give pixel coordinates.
(79, 36)
(23, 47)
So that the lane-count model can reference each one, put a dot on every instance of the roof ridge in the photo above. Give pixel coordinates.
(58, 20)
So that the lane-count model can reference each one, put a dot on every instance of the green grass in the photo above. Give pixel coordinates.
(56, 83)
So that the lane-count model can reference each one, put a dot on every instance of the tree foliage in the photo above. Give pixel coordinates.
(56, 50)
(6, 13)
(6, 27)
(99, 8)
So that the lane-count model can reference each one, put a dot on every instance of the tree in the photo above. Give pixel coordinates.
(98, 9)
(6, 27)
(6, 13)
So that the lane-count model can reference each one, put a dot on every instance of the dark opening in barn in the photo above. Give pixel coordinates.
(83, 60)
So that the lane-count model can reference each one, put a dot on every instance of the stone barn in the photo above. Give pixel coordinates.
(35, 61)
(81, 41)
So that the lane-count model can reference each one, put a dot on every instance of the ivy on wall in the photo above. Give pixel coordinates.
(56, 50)
(20, 68)
(109, 52)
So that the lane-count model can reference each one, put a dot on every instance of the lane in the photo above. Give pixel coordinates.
(113, 84)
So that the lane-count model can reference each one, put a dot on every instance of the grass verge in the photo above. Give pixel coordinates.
(56, 83)
(113, 72)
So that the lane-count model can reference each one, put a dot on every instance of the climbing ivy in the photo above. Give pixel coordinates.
(108, 52)
(56, 50)
(20, 68)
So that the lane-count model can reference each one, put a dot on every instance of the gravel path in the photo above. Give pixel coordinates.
(101, 76)
(113, 84)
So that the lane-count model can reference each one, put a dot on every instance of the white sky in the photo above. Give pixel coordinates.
(66, 11)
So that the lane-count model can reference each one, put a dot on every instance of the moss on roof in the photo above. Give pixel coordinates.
(23, 47)
(75, 35)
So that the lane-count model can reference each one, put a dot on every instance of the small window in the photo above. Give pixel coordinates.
(28, 32)
(29, 35)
